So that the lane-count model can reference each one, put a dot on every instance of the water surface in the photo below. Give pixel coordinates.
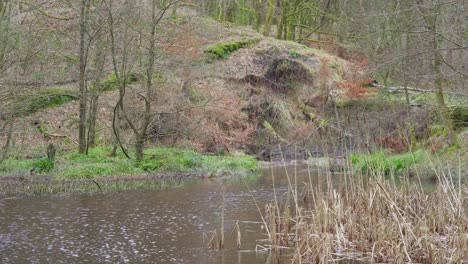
(166, 226)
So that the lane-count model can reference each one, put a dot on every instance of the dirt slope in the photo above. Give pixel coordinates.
(268, 92)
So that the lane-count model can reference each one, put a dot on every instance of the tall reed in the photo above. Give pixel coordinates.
(372, 220)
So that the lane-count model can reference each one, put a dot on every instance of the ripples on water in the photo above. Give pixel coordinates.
(134, 227)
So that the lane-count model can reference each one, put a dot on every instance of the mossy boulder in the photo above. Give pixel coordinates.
(36, 100)
(222, 49)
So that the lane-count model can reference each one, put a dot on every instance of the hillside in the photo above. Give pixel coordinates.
(245, 100)
(218, 88)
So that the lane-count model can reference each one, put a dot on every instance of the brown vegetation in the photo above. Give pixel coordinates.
(373, 221)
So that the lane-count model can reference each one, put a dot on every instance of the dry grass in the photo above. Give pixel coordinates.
(374, 221)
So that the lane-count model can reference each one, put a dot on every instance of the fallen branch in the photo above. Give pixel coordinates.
(419, 90)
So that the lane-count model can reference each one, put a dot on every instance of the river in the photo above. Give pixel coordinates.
(164, 226)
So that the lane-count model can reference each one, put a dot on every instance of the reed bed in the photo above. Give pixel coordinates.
(372, 221)
(91, 186)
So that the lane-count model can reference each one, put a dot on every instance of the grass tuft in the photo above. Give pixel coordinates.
(380, 163)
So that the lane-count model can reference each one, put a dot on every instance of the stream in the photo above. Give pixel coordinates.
(164, 226)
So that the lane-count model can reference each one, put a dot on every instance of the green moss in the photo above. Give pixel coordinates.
(223, 50)
(459, 116)
(111, 83)
(34, 101)
(293, 54)
(438, 130)
(334, 64)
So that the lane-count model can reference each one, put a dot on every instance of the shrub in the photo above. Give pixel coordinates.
(43, 165)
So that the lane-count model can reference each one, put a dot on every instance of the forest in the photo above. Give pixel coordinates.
(354, 114)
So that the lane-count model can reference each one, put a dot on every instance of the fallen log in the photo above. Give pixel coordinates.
(418, 90)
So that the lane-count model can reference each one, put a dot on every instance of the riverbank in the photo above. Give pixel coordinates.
(99, 171)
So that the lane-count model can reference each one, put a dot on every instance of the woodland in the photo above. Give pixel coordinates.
(98, 91)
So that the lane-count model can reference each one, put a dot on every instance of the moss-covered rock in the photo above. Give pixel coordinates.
(34, 101)
(222, 49)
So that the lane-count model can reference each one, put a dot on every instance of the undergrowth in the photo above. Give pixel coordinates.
(381, 163)
(98, 163)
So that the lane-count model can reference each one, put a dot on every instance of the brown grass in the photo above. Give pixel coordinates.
(374, 222)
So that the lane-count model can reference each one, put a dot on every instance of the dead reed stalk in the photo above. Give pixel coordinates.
(376, 221)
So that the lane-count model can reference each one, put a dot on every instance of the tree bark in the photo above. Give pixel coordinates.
(141, 136)
(437, 58)
(82, 79)
(96, 92)
(268, 18)
(6, 147)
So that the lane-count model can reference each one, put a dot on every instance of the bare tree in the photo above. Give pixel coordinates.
(83, 54)
(123, 63)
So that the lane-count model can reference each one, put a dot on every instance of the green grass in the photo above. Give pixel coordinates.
(380, 163)
(180, 160)
(15, 166)
(98, 164)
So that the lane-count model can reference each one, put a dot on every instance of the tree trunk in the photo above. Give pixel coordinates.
(6, 147)
(82, 78)
(268, 18)
(279, 26)
(221, 10)
(439, 78)
(291, 35)
(141, 136)
(96, 92)
(92, 120)
(174, 10)
(256, 16)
